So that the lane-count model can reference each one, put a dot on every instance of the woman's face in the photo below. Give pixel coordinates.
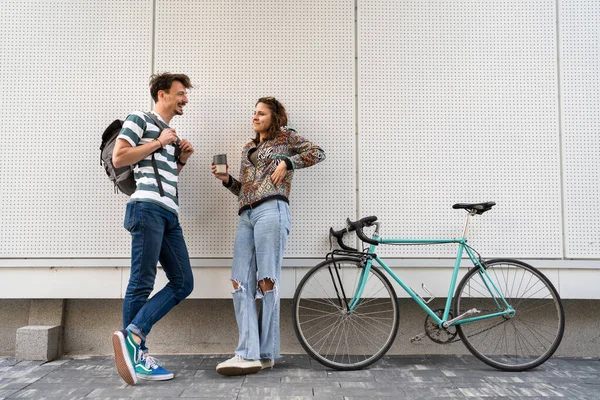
(261, 121)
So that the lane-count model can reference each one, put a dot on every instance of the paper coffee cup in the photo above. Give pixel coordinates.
(220, 161)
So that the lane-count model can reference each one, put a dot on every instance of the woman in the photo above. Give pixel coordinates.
(268, 164)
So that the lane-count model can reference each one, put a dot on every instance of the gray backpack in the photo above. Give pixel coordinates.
(123, 178)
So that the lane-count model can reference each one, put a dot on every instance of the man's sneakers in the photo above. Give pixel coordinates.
(267, 363)
(239, 366)
(127, 355)
(149, 369)
(130, 363)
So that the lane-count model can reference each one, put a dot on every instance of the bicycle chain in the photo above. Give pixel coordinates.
(482, 331)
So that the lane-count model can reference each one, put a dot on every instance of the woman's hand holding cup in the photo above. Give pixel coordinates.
(220, 168)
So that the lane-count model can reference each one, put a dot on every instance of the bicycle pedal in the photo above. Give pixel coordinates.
(418, 337)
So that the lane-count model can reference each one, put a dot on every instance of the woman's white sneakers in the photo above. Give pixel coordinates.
(267, 363)
(240, 366)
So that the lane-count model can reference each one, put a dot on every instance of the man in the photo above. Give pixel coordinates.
(152, 220)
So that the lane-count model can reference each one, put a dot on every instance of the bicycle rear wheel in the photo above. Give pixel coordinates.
(332, 335)
(511, 343)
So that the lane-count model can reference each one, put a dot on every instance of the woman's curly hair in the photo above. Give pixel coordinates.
(278, 117)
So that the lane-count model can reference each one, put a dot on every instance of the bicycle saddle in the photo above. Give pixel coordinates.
(479, 208)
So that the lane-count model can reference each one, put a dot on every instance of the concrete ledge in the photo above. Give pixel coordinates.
(38, 342)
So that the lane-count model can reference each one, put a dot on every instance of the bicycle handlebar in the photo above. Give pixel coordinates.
(354, 226)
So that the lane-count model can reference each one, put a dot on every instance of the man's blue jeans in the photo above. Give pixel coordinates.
(155, 236)
(257, 254)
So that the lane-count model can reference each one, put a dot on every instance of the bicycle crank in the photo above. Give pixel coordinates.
(439, 334)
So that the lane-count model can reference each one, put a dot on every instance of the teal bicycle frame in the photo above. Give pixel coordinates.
(503, 307)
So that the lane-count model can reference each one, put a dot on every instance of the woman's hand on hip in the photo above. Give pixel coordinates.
(279, 174)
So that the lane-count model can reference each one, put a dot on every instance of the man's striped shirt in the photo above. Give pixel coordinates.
(139, 129)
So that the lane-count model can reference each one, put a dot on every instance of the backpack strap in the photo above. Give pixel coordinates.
(160, 129)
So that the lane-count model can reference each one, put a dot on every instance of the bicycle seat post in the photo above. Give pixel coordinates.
(466, 227)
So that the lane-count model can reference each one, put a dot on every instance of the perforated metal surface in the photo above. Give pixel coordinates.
(68, 69)
(83, 64)
(458, 103)
(580, 70)
(236, 52)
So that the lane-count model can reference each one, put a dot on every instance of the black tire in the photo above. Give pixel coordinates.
(518, 342)
(319, 312)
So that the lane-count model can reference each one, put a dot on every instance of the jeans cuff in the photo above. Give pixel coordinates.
(137, 331)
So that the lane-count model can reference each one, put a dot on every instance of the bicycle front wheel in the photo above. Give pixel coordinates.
(523, 339)
(328, 331)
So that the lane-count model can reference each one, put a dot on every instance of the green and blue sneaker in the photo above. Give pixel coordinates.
(127, 355)
(149, 369)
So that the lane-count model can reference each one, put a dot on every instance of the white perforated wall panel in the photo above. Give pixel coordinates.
(68, 69)
(235, 52)
(580, 75)
(458, 103)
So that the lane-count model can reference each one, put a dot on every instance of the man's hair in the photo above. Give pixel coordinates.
(278, 117)
(164, 81)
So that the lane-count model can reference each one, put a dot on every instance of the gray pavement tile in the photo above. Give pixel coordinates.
(90, 368)
(471, 382)
(57, 363)
(407, 377)
(184, 373)
(579, 388)
(181, 362)
(136, 391)
(477, 373)
(360, 392)
(81, 372)
(18, 383)
(4, 393)
(28, 373)
(29, 364)
(288, 398)
(456, 361)
(294, 361)
(503, 390)
(211, 362)
(308, 383)
(294, 372)
(78, 379)
(262, 381)
(563, 374)
(315, 365)
(344, 376)
(207, 387)
(403, 367)
(392, 377)
(432, 392)
(370, 385)
(229, 393)
(53, 398)
(8, 361)
(212, 376)
(57, 392)
(276, 392)
(422, 394)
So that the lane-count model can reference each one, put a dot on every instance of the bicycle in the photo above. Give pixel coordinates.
(346, 314)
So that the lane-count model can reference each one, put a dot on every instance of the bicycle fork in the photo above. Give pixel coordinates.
(342, 300)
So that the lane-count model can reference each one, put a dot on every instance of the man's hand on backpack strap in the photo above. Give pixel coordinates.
(168, 136)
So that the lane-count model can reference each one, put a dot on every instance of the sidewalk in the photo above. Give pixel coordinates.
(299, 377)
